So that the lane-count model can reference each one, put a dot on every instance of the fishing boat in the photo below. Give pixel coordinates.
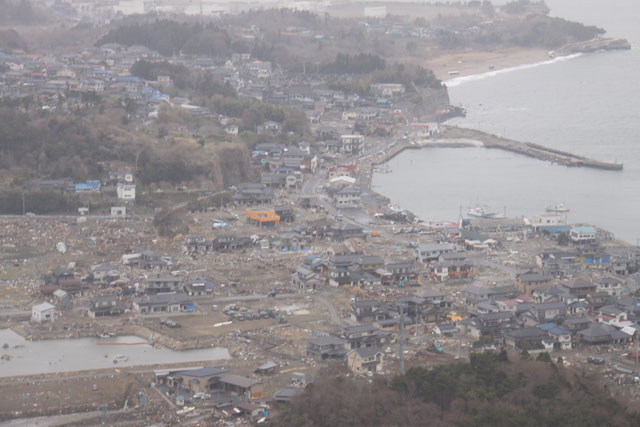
(480, 211)
(560, 208)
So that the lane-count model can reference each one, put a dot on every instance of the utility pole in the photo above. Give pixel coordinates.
(23, 205)
(401, 330)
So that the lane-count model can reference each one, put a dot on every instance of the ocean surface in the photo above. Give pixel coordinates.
(587, 104)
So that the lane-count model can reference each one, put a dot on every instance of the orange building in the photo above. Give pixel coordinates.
(262, 217)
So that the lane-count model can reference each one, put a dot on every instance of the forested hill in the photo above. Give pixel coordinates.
(290, 37)
(19, 12)
(171, 38)
(489, 391)
(51, 145)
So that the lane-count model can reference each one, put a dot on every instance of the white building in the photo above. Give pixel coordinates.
(548, 220)
(124, 175)
(611, 286)
(126, 191)
(431, 252)
(582, 234)
(118, 212)
(348, 197)
(387, 89)
(352, 144)
(44, 312)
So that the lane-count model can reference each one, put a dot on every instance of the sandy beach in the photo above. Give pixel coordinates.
(477, 62)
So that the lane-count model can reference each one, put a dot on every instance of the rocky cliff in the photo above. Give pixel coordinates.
(594, 45)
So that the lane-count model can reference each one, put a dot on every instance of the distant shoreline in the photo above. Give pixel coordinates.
(451, 66)
(458, 80)
(480, 62)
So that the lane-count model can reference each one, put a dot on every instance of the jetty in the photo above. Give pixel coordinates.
(526, 148)
(453, 136)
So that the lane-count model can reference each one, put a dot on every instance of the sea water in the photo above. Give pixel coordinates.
(587, 104)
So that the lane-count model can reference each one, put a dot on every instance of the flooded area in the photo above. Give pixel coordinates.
(40, 357)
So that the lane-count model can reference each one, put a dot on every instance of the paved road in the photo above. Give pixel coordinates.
(249, 298)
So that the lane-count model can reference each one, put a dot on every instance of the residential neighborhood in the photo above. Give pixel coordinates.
(234, 246)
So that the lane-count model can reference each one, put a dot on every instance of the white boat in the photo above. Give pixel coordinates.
(480, 211)
(557, 208)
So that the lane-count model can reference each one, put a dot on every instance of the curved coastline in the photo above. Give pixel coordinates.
(458, 137)
(457, 81)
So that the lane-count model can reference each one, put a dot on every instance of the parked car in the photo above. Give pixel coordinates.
(172, 324)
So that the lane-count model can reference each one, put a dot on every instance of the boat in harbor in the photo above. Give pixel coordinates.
(559, 208)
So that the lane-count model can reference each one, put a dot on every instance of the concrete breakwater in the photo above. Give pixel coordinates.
(451, 136)
(528, 149)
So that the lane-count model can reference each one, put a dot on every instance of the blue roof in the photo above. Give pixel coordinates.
(547, 326)
(558, 331)
(552, 328)
(129, 79)
(584, 229)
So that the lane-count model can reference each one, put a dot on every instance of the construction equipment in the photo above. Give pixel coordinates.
(437, 348)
